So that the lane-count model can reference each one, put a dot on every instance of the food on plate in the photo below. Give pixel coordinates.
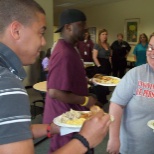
(94, 109)
(79, 121)
(73, 117)
(70, 115)
(106, 79)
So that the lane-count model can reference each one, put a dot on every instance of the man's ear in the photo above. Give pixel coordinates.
(15, 29)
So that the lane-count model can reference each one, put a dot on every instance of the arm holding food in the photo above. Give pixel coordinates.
(114, 130)
(68, 97)
(94, 130)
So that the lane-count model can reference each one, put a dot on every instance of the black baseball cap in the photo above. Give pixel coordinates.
(70, 16)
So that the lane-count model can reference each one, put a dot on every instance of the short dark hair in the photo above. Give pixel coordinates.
(23, 11)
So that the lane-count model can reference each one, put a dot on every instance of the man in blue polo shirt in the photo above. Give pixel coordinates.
(22, 27)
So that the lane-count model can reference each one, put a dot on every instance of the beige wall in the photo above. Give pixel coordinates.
(33, 71)
(112, 16)
(55, 35)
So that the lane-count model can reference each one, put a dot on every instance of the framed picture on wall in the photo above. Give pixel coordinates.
(131, 30)
(92, 31)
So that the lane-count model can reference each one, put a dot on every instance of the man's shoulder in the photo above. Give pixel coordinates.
(125, 42)
(4, 72)
(61, 47)
(114, 43)
(8, 79)
(96, 46)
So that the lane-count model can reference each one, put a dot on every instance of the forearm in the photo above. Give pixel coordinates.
(114, 129)
(66, 97)
(134, 57)
(73, 147)
(40, 130)
(96, 61)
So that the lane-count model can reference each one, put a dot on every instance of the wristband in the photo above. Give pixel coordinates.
(49, 131)
(86, 101)
(84, 141)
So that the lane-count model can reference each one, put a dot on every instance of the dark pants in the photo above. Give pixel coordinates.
(105, 67)
(119, 67)
(101, 92)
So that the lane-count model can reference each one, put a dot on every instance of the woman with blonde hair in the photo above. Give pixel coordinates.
(101, 53)
(101, 56)
(140, 50)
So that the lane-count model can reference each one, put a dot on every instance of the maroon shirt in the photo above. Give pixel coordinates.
(85, 49)
(66, 72)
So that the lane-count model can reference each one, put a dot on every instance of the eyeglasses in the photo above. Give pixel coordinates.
(150, 48)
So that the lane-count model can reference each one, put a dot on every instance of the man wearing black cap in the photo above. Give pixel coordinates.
(67, 84)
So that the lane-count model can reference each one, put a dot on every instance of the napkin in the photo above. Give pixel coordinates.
(68, 130)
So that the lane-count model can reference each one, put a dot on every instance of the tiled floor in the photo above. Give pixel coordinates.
(42, 148)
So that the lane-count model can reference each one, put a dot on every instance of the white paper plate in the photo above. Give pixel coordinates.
(58, 122)
(94, 80)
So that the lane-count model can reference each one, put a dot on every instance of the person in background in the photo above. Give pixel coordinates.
(22, 28)
(45, 63)
(140, 50)
(66, 83)
(101, 53)
(120, 50)
(132, 106)
(101, 56)
(85, 48)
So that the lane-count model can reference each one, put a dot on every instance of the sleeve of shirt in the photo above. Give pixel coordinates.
(135, 50)
(112, 46)
(125, 89)
(128, 47)
(15, 116)
(96, 46)
(91, 45)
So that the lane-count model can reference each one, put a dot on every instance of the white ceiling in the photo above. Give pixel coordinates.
(60, 5)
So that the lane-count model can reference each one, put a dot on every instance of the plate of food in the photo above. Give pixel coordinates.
(72, 118)
(103, 80)
(151, 124)
(75, 118)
